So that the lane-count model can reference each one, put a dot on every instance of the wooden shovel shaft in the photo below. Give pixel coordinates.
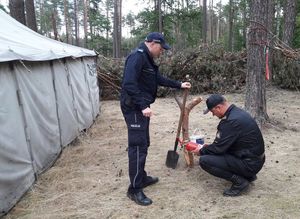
(185, 94)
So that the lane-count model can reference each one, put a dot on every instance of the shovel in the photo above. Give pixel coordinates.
(172, 156)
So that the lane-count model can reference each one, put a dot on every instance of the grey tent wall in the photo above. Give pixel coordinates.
(43, 108)
(86, 77)
(35, 82)
(16, 170)
(90, 67)
(81, 93)
(67, 113)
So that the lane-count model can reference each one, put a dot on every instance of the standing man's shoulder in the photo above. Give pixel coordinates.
(140, 50)
(136, 54)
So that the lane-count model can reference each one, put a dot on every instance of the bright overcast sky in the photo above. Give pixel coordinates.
(128, 5)
(131, 5)
(134, 6)
(4, 2)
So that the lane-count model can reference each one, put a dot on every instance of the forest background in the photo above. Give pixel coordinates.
(223, 47)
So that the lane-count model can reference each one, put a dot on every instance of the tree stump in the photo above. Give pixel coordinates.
(188, 156)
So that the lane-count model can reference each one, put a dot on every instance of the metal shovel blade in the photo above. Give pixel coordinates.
(172, 159)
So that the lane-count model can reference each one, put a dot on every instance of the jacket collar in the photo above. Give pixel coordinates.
(145, 48)
(228, 110)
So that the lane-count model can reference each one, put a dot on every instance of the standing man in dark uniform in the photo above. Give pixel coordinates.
(237, 153)
(139, 87)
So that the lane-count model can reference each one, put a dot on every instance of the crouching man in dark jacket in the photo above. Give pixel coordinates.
(139, 87)
(237, 153)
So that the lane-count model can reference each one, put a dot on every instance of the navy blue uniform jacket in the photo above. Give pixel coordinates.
(141, 79)
(238, 135)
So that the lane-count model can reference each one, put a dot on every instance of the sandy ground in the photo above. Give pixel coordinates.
(90, 178)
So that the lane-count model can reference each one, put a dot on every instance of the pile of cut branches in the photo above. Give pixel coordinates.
(286, 70)
(211, 69)
(109, 73)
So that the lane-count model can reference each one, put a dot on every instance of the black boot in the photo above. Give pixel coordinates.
(139, 197)
(239, 184)
(252, 178)
(149, 181)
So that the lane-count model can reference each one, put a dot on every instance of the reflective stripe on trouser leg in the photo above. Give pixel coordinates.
(137, 167)
(137, 158)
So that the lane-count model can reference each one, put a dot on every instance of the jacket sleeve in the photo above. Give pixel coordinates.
(226, 136)
(132, 72)
(166, 82)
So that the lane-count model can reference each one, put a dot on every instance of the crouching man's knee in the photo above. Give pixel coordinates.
(203, 162)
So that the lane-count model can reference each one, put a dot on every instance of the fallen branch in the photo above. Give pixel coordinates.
(189, 157)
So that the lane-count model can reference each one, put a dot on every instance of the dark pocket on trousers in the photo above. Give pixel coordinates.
(137, 128)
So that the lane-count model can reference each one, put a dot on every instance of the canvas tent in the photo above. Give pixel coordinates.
(48, 94)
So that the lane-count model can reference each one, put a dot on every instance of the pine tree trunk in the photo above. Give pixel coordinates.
(66, 18)
(218, 22)
(230, 23)
(107, 33)
(17, 10)
(271, 27)
(76, 24)
(117, 29)
(255, 82)
(85, 21)
(289, 21)
(212, 22)
(53, 16)
(278, 18)
(204, 22)
(160, 22)
(42, 25)
(30, 15)
(245, 22)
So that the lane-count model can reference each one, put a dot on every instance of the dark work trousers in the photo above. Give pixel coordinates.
(225, 166)
(138, 143)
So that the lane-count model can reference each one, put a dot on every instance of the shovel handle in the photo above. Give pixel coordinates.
(185, 94)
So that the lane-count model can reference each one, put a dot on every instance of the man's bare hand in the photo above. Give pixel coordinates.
(147, 112)
(186, 85)
(197, 150)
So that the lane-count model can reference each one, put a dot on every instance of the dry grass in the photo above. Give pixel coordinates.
(90, 178)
